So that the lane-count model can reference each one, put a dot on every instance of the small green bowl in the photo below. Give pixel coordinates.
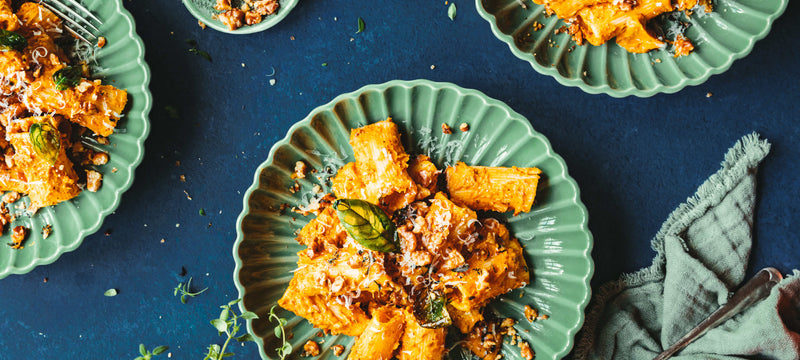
(204, 11)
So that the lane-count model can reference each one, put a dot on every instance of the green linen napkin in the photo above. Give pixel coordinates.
(702, 254)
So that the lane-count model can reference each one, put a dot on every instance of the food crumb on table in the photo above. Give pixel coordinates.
(311, 348)
(338, 350)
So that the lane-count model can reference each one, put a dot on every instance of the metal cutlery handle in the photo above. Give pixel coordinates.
(754, 290)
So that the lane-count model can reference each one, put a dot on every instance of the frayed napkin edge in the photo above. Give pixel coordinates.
(740, 159)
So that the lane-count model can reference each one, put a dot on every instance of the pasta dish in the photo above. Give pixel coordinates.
(598, 21)
(48, 108)
(401, 255)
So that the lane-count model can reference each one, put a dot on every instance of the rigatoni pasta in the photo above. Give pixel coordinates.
(398, 256)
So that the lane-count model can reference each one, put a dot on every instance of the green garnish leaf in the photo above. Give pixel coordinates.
(195, 50)
(46, 141)
(461, 268)
(324, 64)
(67, 77)
(361, 25)
(451, 11)
(220, 325)
(142, 350)
(186, 291)
(249, 315)
(430, 309)
(110, 292)
(160, 349)
(367, 224)
(202, 212)
(245, 337)
(10, 40)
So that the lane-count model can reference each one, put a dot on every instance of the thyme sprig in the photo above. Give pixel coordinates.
(228, 323)
(280, 332)
(186, 290)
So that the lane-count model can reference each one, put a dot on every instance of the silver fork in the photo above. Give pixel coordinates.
(80, 22)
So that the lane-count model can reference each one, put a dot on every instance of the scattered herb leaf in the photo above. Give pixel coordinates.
(451, 11)
(324, 64)
(361, 25)
(146, 354)
(10, 40)
(110, 292)
(67, 77)
(195, 50)
(46, 141)
(280, 332)
(430, 309)
(172, 112)
(228, 323)
(367, 224)
(186, 290)
(202, 212)
(461, 268)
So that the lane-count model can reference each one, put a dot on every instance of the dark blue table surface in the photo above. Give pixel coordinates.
(634, 159)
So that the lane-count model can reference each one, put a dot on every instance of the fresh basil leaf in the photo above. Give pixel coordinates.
(367, 224)
(451, 11)
(46, 141)
(10, 40)
(430, 309)
(67, 77)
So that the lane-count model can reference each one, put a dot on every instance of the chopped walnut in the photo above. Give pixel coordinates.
(446, 129)
(682, 46)
(46, 231)
(530, 313)
(338, 350)
(525, 350)
(507, 323)
(11, 197)
(299, 170)
(101, 41)
(265, 7)
(93, 180)
(311, 348)
(233, 18)
(464, 127)
(100, 158)
(223, 5)
(18, 235)
(252, 18)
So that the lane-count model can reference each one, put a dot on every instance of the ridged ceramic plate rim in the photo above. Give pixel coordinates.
(605, 88)
(571, 201)
(267, 22)
(89, 209)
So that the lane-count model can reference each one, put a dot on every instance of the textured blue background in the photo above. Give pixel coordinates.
(634, 159)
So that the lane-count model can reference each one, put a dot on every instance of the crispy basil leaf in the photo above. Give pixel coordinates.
(461, 268)
(10, 40)
(67, 77)
(46, 141)
(430, 309)
(367, 224)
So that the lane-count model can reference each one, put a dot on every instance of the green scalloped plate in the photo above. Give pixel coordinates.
(555, 235)
(726, 34)
(121, 63)
(204, 11)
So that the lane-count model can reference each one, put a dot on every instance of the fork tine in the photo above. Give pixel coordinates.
(74, 23)
(76, 17)
(86, 11)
